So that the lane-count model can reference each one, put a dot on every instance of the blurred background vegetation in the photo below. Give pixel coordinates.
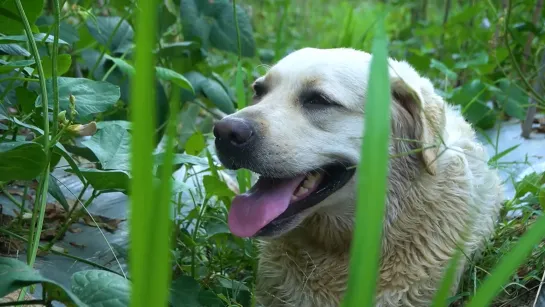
(486, 57)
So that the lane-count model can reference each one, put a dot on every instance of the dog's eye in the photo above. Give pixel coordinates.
(259, 90)
(317, 99)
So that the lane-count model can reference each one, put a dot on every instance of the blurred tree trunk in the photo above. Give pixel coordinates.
(531, 112)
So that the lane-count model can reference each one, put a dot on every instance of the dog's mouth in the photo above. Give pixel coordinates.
(272, 202)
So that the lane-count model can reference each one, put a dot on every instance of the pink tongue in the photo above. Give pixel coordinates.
(256, 208)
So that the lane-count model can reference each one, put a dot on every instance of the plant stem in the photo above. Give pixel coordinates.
(69, 221)
(12, 199)
(33, 244)
(54, 59)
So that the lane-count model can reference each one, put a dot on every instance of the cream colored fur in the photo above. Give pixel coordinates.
(433, 195)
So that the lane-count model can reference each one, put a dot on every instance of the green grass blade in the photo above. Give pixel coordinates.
(149, 220)
(372, 171)
(442, 295)
(243, 175)
(508, 264)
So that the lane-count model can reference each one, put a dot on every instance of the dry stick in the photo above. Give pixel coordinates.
(531, 112)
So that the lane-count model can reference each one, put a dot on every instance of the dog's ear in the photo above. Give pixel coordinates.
(423, 117)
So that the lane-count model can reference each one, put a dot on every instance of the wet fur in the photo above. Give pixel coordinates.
(433, 194)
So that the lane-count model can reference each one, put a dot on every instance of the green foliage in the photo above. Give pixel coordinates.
(101, 288)
(10, 21)
(111, 146)
(21, 160)
(16, 274)
(213, 24)
(199, 68)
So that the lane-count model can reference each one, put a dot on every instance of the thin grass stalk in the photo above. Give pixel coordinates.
(43, 186)
(243, 175)
(54, 60)
(493, 283)
(149, 235)
(372, 172)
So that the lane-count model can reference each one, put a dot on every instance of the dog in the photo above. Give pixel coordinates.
(303, 135)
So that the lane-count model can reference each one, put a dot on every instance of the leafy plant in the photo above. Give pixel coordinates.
(76, 86)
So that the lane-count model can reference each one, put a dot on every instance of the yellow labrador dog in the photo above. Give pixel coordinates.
(302, 134)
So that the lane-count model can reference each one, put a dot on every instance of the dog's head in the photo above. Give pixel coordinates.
(303, 135)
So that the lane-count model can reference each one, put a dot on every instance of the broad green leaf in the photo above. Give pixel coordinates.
(120, 5)
(213, 228)
(443, 69)
(185, 292)
(123, 123)
(105, 26)
(472, 97)
(188, 120)
(91, 97)
(9, 66)
(58, 149)
(109, 180)
(122, 65)
(39, 38)
(10, 20)
(25, 99)
(210, 299)
(181, 159)
(478, 59)
(21, 160)
(162, 73)
(512, 99)
(111, 146)
(63, 64)
(176, 78)
(212, 90)
(13, 49)
(180, 49)
(98, 288)
(67, 31)
(16, 274)
(55, 191)
(195, 144)
(213, 24)
(232, 284)
(165, 18)
(215, 187)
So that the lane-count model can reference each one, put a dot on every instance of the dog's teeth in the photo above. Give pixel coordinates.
(308, 183)
(301, 191)
(293, 198)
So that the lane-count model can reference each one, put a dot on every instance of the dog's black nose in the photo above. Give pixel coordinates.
(238, 132)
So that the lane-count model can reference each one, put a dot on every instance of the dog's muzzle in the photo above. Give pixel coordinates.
(235, 137)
